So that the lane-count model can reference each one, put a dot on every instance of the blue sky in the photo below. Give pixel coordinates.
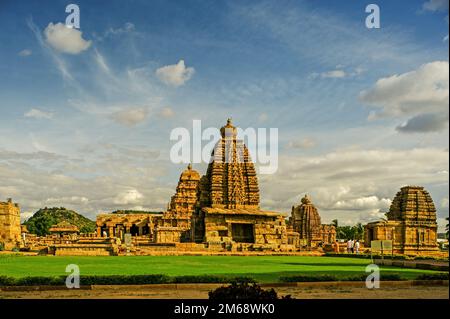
(360, 112)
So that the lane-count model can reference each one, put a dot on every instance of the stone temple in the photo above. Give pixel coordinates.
(411, 223)
(218, 211)
(305, 220)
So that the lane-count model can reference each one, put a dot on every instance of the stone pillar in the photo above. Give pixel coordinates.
(111, 231)
(99, 231)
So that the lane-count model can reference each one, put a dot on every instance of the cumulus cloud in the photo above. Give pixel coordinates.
(176, 74)
(302, 144)
(435, 5)
(131, 117)
(38, 114)
(25, 52)
(354, 185)
(334, 74)
(166, 112)
(422, 94)
(367, 202)
(131, 196)
(65, 39)
(424, 123)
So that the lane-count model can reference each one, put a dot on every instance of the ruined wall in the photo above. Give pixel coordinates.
(10, 230)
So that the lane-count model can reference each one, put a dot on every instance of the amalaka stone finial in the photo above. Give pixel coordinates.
(306, 199)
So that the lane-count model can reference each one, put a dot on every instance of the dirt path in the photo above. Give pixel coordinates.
(201, 292)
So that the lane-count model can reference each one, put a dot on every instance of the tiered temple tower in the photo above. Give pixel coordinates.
(305, 220)
(411, 223)
(175, 224)
(230, 180)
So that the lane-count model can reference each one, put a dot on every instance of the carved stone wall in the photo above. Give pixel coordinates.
(10, 231)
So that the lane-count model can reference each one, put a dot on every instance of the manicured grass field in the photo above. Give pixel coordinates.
(261, 268)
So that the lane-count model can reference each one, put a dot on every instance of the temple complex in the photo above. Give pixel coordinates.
(10, 230)
(220, 212)
(305, 220)
(411, 223)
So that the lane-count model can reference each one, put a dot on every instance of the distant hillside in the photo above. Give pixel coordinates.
(44, 218)
(130, 211)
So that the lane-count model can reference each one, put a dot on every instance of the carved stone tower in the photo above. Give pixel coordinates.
(306, 221)
(230, 181)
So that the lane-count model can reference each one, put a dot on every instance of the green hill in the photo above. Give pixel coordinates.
(44, 218)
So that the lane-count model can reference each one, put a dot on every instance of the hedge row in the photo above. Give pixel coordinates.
(120, 280)
(395, 257)
(437, 276)
(163, 279)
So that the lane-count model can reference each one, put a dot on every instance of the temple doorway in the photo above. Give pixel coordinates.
(242, 233)
(134, 230)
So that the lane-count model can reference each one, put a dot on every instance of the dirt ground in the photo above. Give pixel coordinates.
(201, 292)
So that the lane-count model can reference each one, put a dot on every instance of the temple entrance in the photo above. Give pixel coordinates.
(242, 233)
(134, 230)
(145, 230)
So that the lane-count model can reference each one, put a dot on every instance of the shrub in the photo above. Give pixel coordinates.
(124, 280)
(437, 276)
(2, 247)
(243, 290)
(7, 281)
(40, 281)
(210, 279)
(308, 278)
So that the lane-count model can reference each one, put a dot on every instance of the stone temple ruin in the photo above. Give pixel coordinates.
(411, 223)
(219, 212)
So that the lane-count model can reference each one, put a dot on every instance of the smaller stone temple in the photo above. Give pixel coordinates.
(175, 223)
(411, 223)
(10, 231)
(64, 228)
(305, 220)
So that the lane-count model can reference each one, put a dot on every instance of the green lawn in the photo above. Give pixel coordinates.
(261, 268)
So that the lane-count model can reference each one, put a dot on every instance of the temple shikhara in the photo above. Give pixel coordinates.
(219, 212)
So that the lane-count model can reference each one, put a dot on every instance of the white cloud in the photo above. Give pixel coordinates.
(432, 122)
(131, 117)
(263, 117)
(25, 52)
(166, 112)
(354, 184)
(65, 39)
(444, 202)
(436, 5)
(38, 114)
(302, 144)
(128, 197)
(367, 202)
(334, 74)
(417, 93)
(176, 74)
